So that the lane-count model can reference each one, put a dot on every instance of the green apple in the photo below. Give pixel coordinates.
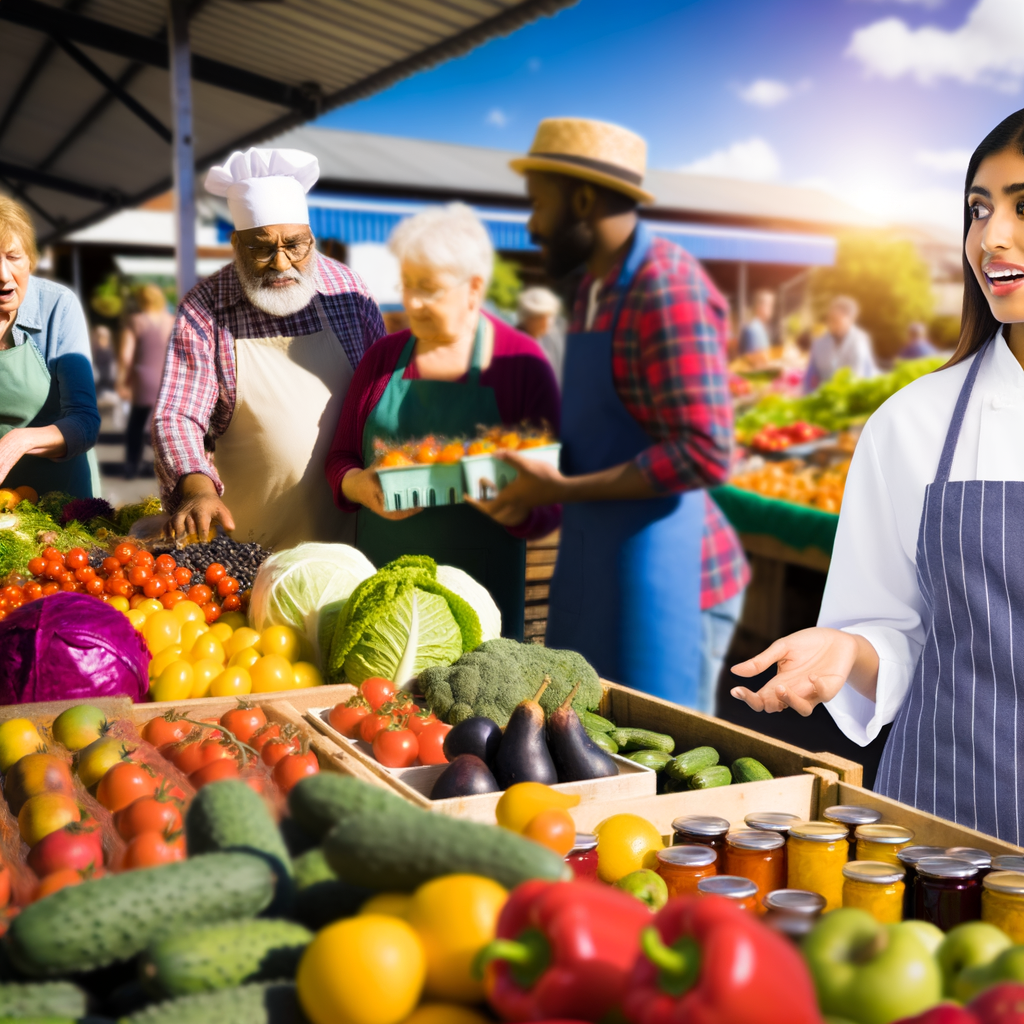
(930, 934)
(869, 972)
(647, 886)
(972, 944)
(1007, 966)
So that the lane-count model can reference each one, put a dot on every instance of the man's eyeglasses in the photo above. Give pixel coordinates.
(294, 251)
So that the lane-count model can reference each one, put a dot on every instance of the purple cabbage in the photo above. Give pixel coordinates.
(84, 509)
(69, 646)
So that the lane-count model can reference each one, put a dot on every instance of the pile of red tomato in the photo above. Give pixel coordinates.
(128, 576)
(771, 438)
(400, 733)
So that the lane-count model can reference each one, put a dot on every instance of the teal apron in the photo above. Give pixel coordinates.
(30, 397)
(456, 535)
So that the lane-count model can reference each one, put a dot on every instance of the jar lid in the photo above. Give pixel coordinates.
(819, 831)
(1008, 862)
(910, 855)
(585, 841)
(979, 858)
(876, 871)
(751, 839)
(884, 834)
(1010, 882)
(795, 901)
(688, 856)
(772, 821)
(851, 814)
(701, 825)
(731, 886)
(946, 867)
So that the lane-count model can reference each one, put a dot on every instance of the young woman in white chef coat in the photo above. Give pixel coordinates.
(922, 622)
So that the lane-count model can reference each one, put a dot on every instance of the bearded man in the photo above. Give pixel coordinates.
(258, 365)
(650, 577)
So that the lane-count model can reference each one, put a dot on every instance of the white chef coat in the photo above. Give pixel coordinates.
(872, 585)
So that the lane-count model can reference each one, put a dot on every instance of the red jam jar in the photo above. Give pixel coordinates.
(981, 859)
(700, 830)
(582, 858)
(947, 892)
(908, 858)
(742, 891)
(683, 867)
(759, 856)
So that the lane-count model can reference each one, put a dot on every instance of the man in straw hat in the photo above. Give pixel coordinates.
(258, 365)
(650, 577)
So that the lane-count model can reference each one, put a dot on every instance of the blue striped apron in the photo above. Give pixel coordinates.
(953, 747)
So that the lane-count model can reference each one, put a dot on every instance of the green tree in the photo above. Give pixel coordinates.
(887, 277)
(505, 283)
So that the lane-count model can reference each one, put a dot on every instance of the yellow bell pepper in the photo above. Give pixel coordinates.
(445, 1013)
(455, 916)
(521, 803)
(390, 904)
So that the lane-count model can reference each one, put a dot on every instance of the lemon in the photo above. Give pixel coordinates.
(626, 843)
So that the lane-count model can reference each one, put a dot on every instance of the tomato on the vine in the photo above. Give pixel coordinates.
(292, 768)
(372, 724)
(277, 749)
(124, 784)
(148, 814)
(419, 721)
(149, 849)
(187, 756)
(377, 691)
(214, 771)
(244, 721)
(161, 731)
(396, 747)
(431, 741)
(347, 718)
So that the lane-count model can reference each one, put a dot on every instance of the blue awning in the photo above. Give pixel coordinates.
(351, 218)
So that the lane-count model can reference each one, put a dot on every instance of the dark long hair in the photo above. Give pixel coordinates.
(977, 324)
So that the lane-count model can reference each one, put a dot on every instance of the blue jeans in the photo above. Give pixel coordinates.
(718, 623)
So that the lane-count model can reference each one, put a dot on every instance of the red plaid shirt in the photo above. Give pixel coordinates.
(197, 394)
(669, 367)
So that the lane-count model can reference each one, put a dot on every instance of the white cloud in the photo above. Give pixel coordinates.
(987, 49)
(496, 117)
(752, 159)
(946, 161)
(770, 92)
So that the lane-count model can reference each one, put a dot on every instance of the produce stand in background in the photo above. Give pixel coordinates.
(540, 567)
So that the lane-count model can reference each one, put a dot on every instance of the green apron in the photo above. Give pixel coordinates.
(456, 535)
(29, 397)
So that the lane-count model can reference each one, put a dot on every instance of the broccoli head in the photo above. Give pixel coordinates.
(499, 674)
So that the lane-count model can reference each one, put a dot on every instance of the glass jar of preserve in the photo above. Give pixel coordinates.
(741, 890)
(700, 830)
(1008, 862)
(759, 856)
(816, 853)
(682, 867)
(981, 859)
(875, 886)
(851, 816)
(946, 892)
(582, 858)
(1002, 901)
(772, 821)
(882, 842)
(908, 858)
(793, 912)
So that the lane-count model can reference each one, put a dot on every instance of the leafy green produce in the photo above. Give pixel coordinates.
(493, 679)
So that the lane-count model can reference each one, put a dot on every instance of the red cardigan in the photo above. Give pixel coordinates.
(524, 385)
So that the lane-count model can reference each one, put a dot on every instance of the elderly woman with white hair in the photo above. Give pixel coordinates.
(455, 369)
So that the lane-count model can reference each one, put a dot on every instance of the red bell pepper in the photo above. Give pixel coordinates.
(563, 949)
(1000, 1004)
(944, 1013)
(706, 961)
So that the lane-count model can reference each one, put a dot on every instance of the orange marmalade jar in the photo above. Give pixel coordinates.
(682, 867)
(759, 856)
(741, 891)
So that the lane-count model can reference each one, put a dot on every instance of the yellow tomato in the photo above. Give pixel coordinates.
(18, 737)
(189, 611)
(174, 683)
(162, 630)
(240, 639)
(245, 658)
(272, 672)
(149, 607)
(119, 603)
(93, 761)
(232, 682)
(190, 632)
(281, 640)
(521, 803)
(305, 675)
(363, 970)
(390, 904)
(221, 630)
(204, 672)
(40, 815)
(445, 1013)
(236, 620)
(626, 843)
(455, 916)
(136, 618)
(206, 647)
(163, 659)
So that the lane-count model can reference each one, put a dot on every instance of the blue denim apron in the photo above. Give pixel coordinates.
(626, 588)
(953, 749)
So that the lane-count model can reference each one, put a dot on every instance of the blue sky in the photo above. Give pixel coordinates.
(878, 101)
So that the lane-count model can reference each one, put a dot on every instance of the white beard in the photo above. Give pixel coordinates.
(278, 301)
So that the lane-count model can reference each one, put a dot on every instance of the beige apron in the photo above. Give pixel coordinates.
(288, 397)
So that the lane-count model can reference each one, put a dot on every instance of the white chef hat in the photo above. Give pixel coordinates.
(265, 186)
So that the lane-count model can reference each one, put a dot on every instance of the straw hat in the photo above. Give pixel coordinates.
(592, 150)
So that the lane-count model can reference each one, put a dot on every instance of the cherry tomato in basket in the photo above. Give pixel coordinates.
(278, 748)
(244, 721)
(165, 564)
(161, 731)
(51, 554)
(292, 768)
(147, 814)
(76, 558)
(55, 882)
(377, 691)
(372, 724)
(396, 747)
(227, 586)
(347, 718)
(138, 575)
(150, 849)
(263, 736)
(170, 599)
(225, 768)
(231, 603)
(124, 784)
(37, 565)
(187, 756)
(215, 572)
(154, 587)
(211, 612)
(182, 576)
(431, 741)
(200, 594)
(145, 559)
(420, 720)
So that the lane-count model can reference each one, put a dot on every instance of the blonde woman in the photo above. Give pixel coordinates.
(48, 416)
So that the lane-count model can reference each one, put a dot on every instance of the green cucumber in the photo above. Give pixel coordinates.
(682, 766)
(322, 896)
(318, 802)
(747, 769)
(708, 778)
(114, 917)
(42, 999)
(247, 1004)
(594, 723)
(384, 843)
(604, 741)
(643, 739)
(653, 759)
(218, 956)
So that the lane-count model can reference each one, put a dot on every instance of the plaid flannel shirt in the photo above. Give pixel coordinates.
(669, 368)
(197, 394)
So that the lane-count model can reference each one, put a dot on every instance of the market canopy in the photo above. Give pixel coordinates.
(85, 92)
